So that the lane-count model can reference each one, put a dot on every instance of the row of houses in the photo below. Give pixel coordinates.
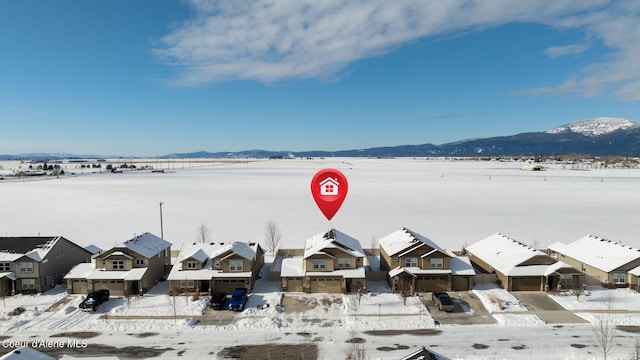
(330, 262)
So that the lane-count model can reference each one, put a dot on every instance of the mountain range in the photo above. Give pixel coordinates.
(596, 137)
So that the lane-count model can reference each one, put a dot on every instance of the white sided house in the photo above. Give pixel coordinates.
(521, 267)
(604, 261)
(216, 267)
(332, 262)
(130, 268)
(415, 263)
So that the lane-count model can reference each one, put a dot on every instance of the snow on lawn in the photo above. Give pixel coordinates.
(156, 302)
(599, 298)
(518, 320)
(496, 299)
(33, 302)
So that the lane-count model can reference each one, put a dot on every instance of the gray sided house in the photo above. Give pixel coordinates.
(604, 262)
(332, 262)
(520, 267)
(36, 264)
(415, 263)
(216, 267)
(130, 268)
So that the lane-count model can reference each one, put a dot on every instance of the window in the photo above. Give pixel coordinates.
(319, 264)
(28, 284)
(344, 263)
(117, 264)
(216, 263)
(26, 267)
(139, 261)
(411, 262)
(235, 265)
(5, 266)
(619, 278)
(436, 263)
(192, 265)
(187, 284)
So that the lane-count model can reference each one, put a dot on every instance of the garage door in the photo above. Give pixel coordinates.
(228, 285)
(326, 285)
(79, 286)
(431, 283)
(462, 283)
(294, 285)
(525, 284)
(115, 287)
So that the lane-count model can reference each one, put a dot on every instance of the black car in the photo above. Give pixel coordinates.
(218, 300)
(94, 299)
(443, 301)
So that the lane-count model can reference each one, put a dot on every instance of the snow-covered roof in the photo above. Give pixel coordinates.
(598, 252)
(8, 275)
(413, 271)
(119, 253)
(461, 265)
(88, 271)
(199, 255)
(9, 257)
(502, 252)
(93, 249)
(404, 241)
(80, 271)
(333, 239)
(635, 271)
(292, 267)
(26, 353)
(35, 248)
(207, 251)
(147, 245)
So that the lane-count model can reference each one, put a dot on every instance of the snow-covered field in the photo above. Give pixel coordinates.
(452, 202)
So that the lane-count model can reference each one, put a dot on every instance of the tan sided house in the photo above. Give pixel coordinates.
(216, 267)
(415, 263)
(332, 262)
(521, 267)
(130, 268)
(36, 264)
(604, 262)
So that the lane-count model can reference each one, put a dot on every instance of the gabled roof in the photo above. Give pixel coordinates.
(210, 251)
(461, 265)
(598, 252)
(198, 255)
(332, 239)
(147, 245)
(26, 353)
(36, 248)
(502, 252)
(404, 241)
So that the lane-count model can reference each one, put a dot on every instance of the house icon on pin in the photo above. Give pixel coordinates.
(329, 186)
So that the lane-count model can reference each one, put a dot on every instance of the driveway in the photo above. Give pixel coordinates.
(548, 310)
(469, 310)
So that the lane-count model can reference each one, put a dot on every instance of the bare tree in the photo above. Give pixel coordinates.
(272, 236)
(604, 330)
(203, 233)
(635, 353)
(356, 351)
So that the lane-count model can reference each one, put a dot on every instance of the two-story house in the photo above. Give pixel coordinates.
(415, 263)
(36, 264)
(130, 268)
(332, 262)
(216, 267)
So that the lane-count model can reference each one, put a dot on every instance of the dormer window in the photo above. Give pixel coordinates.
(191, 265)
(117, 264)
(436, 263)
(235, 265)
(140, 262)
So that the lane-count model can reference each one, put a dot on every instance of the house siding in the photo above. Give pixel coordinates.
(63, 256)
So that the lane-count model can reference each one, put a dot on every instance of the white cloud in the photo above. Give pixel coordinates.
(575, 49)
(276, 40)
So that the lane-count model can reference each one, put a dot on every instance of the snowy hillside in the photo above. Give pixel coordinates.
(595, 127)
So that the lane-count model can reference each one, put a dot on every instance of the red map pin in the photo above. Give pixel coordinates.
(329, 188)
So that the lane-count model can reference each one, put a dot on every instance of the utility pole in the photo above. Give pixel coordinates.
(161, 228)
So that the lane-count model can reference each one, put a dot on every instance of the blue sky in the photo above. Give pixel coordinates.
(146, 78)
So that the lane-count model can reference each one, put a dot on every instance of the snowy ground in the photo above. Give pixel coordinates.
(328, 322)
(452, 202)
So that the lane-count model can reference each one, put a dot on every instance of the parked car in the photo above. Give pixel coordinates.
(94, 299)
(238, 299)
(217, 300)
(443, 301)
